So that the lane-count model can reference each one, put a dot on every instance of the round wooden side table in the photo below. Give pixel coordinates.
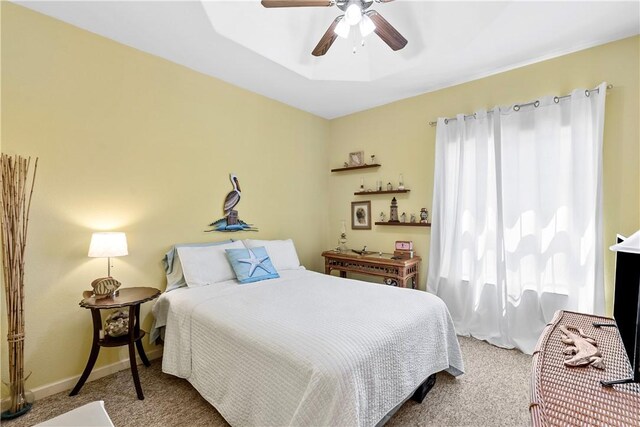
(125, 297)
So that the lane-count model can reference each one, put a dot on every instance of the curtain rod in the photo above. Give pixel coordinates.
(517, 107)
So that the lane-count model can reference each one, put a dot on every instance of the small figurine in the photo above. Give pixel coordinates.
(389, 186)
(373, 159)
(403, 217)
(424, 215)
(379, 185)
(383, 217)
(393, 215)
(346, 165)
(401, 183)
(361, 184)
(413, 218)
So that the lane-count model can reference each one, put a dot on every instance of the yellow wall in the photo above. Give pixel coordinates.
(403, 142)
(128, 141)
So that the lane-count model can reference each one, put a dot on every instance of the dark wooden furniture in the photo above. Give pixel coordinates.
(574, 396)
(350, 168)
(404, 272)
(126, 297)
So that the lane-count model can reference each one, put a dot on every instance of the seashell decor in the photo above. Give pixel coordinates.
(117, 324)
(104, 287)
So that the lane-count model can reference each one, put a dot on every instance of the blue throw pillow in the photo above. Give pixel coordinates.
(251, 265)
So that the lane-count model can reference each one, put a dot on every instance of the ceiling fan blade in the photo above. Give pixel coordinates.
(297, 3)
(327, 39)
(386, 32)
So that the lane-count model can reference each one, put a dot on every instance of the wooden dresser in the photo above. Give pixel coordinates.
(573, 396)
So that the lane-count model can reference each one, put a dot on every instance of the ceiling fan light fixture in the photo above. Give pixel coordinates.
(366, 26)
(353, 14)
(342, 29)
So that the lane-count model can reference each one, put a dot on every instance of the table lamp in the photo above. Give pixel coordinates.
(107, 245)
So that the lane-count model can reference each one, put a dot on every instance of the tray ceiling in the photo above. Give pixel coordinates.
(268, 51)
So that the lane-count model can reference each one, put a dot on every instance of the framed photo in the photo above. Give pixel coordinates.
(361, 215)
(356, 158)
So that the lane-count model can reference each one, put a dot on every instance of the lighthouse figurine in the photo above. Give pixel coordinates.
(393, 215)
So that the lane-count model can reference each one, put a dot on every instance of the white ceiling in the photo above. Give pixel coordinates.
(268, 51)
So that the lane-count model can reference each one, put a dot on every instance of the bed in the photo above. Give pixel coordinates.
(305, 348)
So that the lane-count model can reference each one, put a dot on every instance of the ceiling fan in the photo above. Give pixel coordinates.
(355, 13)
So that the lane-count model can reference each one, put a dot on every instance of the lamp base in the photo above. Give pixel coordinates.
(8, 415)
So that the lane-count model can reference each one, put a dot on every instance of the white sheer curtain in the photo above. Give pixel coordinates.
(517, 223)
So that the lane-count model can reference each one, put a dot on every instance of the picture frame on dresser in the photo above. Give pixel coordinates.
(361, 215)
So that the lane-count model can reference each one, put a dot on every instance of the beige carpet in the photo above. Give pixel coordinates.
(494, 391)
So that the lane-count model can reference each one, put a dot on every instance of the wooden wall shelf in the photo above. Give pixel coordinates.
(406, 224)
(350, 168)
(364, 193)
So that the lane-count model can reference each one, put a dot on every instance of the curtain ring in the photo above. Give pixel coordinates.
(556, 99)
(587, 92)
(516, 107)
(446, 121)
(536, 104)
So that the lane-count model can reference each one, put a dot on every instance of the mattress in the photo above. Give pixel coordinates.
(306, 348)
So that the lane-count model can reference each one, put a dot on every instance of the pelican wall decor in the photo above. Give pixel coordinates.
(231, 221)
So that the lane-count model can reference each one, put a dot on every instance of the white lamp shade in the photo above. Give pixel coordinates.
(366, 26)
(353, 14)
(108, 244)
(631, 244)
(342, 29)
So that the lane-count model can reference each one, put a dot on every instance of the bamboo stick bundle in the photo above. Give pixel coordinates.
(16, 190)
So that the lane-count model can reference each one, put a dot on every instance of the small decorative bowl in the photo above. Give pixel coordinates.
(104, 287)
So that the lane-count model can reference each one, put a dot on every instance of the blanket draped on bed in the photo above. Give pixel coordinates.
(305, 349)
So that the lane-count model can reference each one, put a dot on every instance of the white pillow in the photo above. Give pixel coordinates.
(205, 265)
(173, 267)
(282, 252)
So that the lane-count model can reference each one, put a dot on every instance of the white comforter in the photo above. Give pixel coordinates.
(305, 349)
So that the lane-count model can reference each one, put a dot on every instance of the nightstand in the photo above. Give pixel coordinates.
(125, 297)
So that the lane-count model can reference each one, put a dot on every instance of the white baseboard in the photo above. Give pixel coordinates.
(97, 373)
